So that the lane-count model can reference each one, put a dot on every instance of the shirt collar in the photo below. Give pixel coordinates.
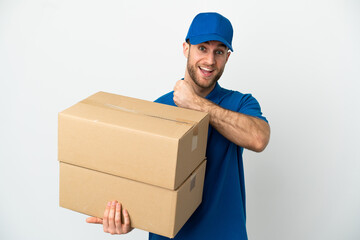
(214, 93)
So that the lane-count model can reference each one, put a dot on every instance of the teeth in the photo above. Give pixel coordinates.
(206, 69)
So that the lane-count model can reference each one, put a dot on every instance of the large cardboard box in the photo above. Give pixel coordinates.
(132, 138)
(151, 208)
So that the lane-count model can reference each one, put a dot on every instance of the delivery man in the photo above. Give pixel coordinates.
(236, 122)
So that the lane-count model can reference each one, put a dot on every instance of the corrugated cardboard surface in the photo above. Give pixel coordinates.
(151, 208)
(136, 139)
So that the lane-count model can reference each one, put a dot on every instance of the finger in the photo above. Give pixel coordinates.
(118, 218)
(95, 220)
(126, 226)
(112, 217)
(106, 217)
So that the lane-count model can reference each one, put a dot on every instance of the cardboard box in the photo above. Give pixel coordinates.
(132, 138)
(151, 208)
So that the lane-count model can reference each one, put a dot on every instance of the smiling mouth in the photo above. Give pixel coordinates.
(206, 71)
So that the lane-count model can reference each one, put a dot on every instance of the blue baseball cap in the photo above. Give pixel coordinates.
(210, 26)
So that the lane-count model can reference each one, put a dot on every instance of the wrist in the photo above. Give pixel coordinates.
(201, 104)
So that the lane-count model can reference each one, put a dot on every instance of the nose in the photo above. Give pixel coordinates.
(210, 59)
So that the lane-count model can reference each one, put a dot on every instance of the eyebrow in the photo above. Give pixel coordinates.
(220, 45)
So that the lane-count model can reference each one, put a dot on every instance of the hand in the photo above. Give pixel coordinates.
(112, 219)
(184, 95)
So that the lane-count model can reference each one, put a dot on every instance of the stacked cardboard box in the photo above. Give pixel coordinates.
(148, 156)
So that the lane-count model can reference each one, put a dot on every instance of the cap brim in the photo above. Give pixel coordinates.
(209, 37)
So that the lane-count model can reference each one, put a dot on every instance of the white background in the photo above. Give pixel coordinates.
(300, 59)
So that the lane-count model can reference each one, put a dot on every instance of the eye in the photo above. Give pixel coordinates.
(202, 48)
(219, 52)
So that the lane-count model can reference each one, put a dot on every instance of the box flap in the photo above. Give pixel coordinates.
(163, 121)
(147, 107)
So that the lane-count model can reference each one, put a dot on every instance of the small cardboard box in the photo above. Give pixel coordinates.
(151, 208)
(132, 138)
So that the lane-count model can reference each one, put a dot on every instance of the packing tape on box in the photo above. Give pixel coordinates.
(195, 128)
(115, 107)
(192, 182)
(194, 142)
(195, 132)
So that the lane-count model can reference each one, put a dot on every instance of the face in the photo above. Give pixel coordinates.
(206, 62)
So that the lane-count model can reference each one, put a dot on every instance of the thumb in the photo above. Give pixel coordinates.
(95, 220)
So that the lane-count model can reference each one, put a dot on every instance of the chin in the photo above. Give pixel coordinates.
(205, 83)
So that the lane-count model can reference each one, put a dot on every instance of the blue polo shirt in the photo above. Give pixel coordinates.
(221, 215)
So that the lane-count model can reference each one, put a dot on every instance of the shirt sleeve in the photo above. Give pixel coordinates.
(166, 99)
(250, 106)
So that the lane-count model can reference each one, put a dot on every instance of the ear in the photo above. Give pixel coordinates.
(186, 48)
(228, 55)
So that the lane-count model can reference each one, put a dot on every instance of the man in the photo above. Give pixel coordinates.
(236, 122)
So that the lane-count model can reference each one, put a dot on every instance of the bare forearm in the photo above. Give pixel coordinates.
(243, 130)
(246, 131)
